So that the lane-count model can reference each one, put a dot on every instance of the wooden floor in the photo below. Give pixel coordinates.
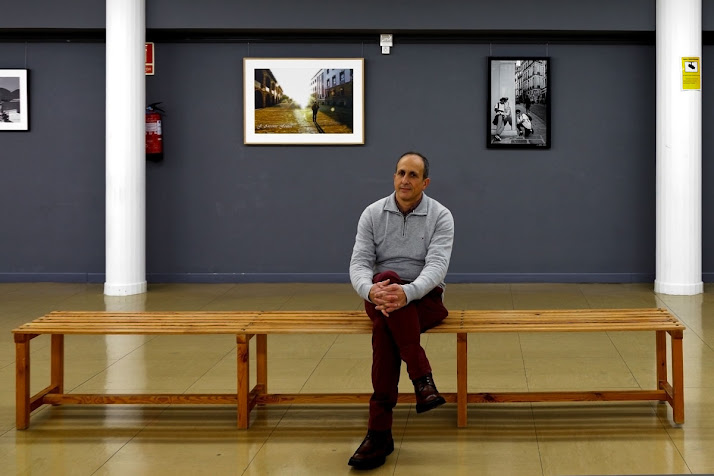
(508, 439)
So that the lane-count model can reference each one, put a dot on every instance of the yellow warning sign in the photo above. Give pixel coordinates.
(691, 74)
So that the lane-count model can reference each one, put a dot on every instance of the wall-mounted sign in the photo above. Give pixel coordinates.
(691, 74)
(149, 53)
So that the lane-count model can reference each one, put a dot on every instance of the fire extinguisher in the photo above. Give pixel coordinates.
(154, 137)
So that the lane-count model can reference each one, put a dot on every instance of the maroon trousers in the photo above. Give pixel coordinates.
(396, 338)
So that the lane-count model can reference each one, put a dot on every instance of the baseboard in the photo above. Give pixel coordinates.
(550, 278)
(248, 277)
(93, 278)
(339, 277)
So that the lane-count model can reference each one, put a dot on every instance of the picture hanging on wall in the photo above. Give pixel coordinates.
(13, 100)
(519, 103)
(304, 100)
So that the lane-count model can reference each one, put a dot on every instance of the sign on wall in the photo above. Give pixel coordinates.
(149, 53)
(691, 74)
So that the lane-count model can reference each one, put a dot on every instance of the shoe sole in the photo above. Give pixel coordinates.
(371, 464)
(367, 464)
(421, 408)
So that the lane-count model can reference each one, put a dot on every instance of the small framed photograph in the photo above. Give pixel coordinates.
(304, 100)
(14, 112)
(518, 103)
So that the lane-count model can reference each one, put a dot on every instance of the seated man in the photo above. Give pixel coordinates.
(399, 261)
(523, 123)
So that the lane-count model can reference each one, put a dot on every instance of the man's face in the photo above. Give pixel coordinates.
(408, 179)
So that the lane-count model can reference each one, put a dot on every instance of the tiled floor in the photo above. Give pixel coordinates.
(515, 439)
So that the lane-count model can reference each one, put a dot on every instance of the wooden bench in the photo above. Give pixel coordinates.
(247, 324)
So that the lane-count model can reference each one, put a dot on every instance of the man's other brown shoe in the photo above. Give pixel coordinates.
(427, 396)
(373, 451)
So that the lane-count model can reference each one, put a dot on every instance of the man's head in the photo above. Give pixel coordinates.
(518, 112)
(411, 178)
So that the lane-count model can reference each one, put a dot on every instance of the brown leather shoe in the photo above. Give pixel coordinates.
(373, 451)
(427, 396)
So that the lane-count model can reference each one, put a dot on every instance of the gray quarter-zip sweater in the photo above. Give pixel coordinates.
(416, 246)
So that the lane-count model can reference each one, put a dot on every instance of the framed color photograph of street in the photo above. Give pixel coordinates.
(518, 103)
(304, 100)
(14, 112)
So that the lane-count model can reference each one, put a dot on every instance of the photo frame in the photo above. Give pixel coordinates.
(14, 112)
(310, 101)
(518, 103)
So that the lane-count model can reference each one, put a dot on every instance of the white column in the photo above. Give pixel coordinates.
(679, 151)
(132, 370)
(125, 159)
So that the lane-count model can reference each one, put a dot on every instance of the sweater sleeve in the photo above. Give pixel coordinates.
(437, 259)
(364, 256)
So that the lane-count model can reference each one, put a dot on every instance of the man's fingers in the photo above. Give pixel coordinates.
(383, 310)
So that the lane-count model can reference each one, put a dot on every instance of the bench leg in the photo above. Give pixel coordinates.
(22, 381)
(57, 364)
(461, 380)
(243, 380)
(677, 378)
(261, 364)
(661, 357)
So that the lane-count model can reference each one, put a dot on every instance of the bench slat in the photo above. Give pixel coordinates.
(547, 313)
(343, 322)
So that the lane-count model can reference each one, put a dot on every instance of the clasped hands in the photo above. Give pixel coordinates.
(387, 297)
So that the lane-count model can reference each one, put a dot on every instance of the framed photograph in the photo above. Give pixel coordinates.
(13, 100)
(518, 103)
(304, 100)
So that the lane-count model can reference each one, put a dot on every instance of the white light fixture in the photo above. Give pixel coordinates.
(385, 41)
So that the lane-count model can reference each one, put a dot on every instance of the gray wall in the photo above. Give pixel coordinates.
(353, 15)
(52, 177)
(219, 210)
(584, 207)
(450, 15)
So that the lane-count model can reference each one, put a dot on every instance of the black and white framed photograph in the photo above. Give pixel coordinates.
(304, 100)
(13, 100)
(519, 102)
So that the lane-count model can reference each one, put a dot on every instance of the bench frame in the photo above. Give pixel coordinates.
(260, 324)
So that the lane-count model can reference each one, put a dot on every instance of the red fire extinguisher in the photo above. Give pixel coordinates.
(154, 137)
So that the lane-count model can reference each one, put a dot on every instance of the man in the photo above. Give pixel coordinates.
(507, 117)
(523, 123)
(500, 119)
(399, 261)
(315, 108)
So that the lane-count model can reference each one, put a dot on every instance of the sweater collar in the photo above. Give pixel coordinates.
(391, 205)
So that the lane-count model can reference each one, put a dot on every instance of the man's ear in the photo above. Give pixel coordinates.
(426, 182)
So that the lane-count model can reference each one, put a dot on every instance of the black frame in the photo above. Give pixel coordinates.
(530, 82)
